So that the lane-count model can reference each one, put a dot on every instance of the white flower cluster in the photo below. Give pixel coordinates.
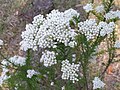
(106, 28)
(89, 28)
(28, 37)
(97, 83)
(100, 9)
(47, 32)
(69, 70)
(30, 73)
(88, 7)
(3, 76)
(18, 60)
(117, 44)
(113, 15)
(48, 58)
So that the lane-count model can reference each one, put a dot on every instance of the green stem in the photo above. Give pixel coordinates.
(28, 57)
(111, 52)
(84, 64)
(109, 6)
(30, 86)
(84, 67)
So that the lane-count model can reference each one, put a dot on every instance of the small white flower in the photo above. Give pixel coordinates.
(112, 15)
(28, 37)
(100, 9)
(70, 13)
(69, 71)
(117, 44)
(48, 58)
(3, 76)
(106, 28)
(72, 44)
(30, 73)
(63, 88)
(16, 88)
(18, 60)
(89, 28)
(97, 83)
(24, 46)
(52, 83)
(88, 7)
(117, 13)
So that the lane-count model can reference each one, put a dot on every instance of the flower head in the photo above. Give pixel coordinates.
(30, 73)
(88, 7)
(97, 83)
(69, 71)
(18, 60)
(48, 58)
(100, 9)
(47, 32)
(4, 75)
(106, 28)
(112, 15)
(117, 44)
(89, 28)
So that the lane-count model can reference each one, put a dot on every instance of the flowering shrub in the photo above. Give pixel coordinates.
(68, 45)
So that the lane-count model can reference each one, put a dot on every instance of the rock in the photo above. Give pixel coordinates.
(35, 7)
(63, 5)
(83, 15)
(43, 6)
